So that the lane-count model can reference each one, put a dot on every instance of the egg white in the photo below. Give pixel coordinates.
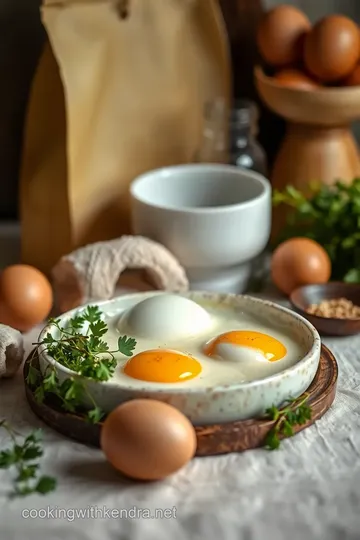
(164, 317)
(237, 365)
(238, 353)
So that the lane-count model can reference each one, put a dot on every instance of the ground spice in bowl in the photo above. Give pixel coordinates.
(333, 308)
(336, 308)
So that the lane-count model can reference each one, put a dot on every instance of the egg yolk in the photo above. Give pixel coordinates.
(162, 366)
(270, 347)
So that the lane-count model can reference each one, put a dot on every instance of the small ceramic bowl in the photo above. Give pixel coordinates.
(214, 404)
(303, 297)
(215, 219)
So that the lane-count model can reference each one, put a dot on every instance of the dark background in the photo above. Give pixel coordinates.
(22, 37)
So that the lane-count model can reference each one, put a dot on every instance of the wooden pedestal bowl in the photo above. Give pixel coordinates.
(319, 145)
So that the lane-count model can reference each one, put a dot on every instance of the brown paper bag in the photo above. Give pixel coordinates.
(120, 89)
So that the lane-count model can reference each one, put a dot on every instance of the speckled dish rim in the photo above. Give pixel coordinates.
(218, 298)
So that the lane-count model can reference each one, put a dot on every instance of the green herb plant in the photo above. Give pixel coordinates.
(293, 412)
(79, 346)
(331, 217)
(23, 459)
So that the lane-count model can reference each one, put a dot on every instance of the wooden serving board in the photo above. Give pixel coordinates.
(211, 439)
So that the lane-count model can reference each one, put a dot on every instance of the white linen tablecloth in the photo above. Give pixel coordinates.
(308, 489)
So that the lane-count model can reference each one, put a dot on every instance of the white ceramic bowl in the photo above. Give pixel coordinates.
(217, 403)
(214, 218)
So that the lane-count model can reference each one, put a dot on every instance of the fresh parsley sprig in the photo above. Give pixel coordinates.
(330, 215)
(23, 458)
(294, 412)
(85, 352)
(80, 347)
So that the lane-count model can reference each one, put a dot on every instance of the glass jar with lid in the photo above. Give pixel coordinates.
(245, 151)
(230, 137)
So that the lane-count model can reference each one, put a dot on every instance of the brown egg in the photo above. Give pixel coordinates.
(294, 78)
(332, 48)
(26, 297)
(147, 439)
(280, 35)
(354, 78)
(297, 262)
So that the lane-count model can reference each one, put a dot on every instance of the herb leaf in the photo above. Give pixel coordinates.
(92, 314)
(22, 458)
(95, 415)
(7, 458)
(272, 441)
(45, 484)
(39, 394)
(330, 215)
(98, 328)
(293, 413)
(126, 345)
(31, 453)
(32, 376)
(27, 472)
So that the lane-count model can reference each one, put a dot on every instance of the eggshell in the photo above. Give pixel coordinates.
(354, 78)
(26, 297)
(280, 35)
(294, 78)
(332, 48)
(147, 439)
(297, 262)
